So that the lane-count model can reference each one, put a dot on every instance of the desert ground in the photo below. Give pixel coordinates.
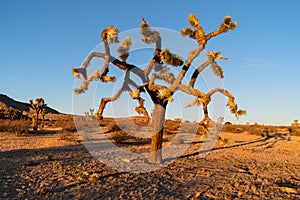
(53, 163)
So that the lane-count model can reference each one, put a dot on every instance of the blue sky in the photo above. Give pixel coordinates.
(41, 41)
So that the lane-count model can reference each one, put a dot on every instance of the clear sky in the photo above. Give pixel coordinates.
(41, 41)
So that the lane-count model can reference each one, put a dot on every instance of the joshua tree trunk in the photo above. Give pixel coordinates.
(33, 122)
(159, 113)
(36, 122)
(43, 120)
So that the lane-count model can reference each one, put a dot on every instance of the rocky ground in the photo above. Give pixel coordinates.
(56, 165)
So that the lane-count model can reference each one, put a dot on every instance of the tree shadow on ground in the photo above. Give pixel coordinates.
(263, 141)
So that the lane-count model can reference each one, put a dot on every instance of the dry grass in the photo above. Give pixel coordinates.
(15, 126)
(172, 125)
(68, 136)
(261, 130)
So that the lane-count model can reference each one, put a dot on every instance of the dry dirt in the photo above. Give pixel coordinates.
(55, 165)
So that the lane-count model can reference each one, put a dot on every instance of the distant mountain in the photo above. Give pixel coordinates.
(6, 101)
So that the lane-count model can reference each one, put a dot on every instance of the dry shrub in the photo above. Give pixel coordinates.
(67, 136)
(140, 121)
(294, 131)
(119, 136)
(261, 130)
(172, 125)
(118, 126)
(113, 127)
(234, 128)
(15, 126)
(66, 125)
(255, 129)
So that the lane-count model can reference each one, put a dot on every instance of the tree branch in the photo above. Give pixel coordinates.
(197, 72)
(104, 101)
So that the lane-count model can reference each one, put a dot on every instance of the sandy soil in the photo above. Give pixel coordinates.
(57, 166)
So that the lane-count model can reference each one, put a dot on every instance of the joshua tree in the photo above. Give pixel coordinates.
(157, 70)
(92, 111)
(295, 123)
(38, 108)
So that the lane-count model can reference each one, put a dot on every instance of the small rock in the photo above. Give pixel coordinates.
(253, 188)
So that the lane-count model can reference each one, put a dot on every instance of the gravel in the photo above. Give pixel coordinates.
(248, 167)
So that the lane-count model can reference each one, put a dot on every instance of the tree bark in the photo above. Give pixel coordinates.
(159, 113)
(33, 123)
(36, 122)
(43, 121)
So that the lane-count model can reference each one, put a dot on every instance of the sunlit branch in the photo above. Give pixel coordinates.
(226, 26)
(197, 72)
(104, 101)
(141, 110)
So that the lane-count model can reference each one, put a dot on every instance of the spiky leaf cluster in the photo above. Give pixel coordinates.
(170, 59)
(165, 94)
(214, 55)
(135, 94)
(234, 108)
(227, 24)
(148, 36)
(197, 33)
(123, 49)
(193, 20)
(188, 32)
(111, 34)
(217, 70)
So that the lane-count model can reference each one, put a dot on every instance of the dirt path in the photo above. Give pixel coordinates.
(53, 166)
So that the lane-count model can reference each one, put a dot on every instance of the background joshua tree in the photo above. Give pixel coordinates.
(92, 111)
(89, 114)
(295, 123)
(38, 108)
(157, 70)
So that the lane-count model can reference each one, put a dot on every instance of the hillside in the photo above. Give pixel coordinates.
(6, 101)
